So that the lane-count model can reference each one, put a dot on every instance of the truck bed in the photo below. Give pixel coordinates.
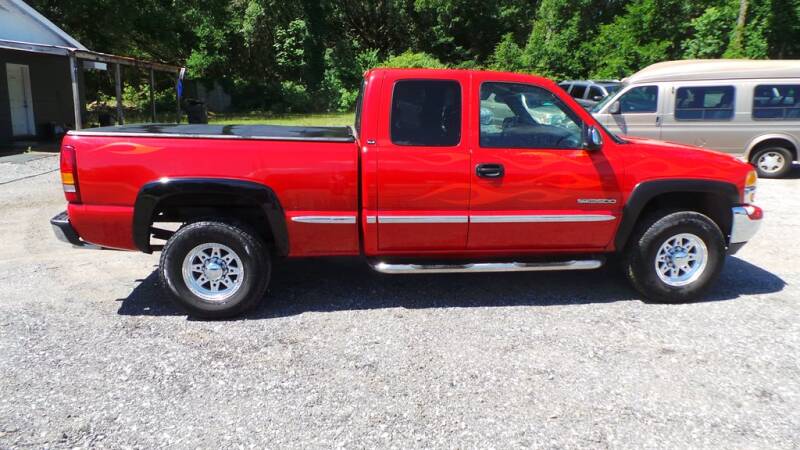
(202, 131)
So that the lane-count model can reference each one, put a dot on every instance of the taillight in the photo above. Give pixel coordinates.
(69, 174)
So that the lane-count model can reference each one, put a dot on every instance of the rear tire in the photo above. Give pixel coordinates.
(772, 162)
(674, 257)
(215, 270)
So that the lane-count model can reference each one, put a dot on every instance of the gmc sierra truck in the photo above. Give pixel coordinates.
(443, 171)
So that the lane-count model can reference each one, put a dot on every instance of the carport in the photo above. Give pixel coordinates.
(42, 86)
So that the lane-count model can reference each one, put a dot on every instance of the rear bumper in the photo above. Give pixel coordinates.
(745, 225)
(66, 233)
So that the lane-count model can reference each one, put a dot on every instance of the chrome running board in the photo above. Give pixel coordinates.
(586, 264)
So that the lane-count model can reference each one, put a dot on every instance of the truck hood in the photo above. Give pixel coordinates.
(678, 150)
(650, 159)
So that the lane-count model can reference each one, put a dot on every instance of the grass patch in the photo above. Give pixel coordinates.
(307, 120)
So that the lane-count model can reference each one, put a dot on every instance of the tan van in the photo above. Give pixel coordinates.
(745, 107)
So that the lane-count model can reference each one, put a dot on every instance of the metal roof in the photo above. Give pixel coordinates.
(716, 69)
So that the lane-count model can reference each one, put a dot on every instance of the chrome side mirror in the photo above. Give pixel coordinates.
(614, 108)
(593, 139)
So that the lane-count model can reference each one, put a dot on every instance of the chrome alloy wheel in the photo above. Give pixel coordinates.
(681, 260)
(771, 162)
(213, 272)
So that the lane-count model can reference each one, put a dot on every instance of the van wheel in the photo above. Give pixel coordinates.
(215, 270)
(772, 162)
(674, 257)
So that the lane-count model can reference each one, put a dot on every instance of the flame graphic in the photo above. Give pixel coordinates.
(129, 148)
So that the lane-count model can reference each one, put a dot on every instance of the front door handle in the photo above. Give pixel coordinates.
(490, 170)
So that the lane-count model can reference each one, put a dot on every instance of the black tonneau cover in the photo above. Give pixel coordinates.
(257, 132)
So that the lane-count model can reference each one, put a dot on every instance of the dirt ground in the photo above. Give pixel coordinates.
(93, 354)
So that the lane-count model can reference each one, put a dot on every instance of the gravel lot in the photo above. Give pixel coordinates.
(93, 354)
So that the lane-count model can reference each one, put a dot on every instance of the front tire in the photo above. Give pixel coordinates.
(675, 257)
(215, 270)
(772, 162)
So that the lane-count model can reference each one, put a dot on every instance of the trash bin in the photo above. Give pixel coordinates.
(196, 111)
(105, 119)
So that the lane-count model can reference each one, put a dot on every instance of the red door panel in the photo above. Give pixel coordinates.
(548, 198)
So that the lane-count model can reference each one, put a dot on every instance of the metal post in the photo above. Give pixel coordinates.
(76, 98)
(178, 98)
(152, 98)
(118, 84)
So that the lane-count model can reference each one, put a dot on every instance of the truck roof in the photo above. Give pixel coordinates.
(716, 69)
(203, 131)
(457, 73)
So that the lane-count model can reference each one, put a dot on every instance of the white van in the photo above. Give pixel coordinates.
(745, 107)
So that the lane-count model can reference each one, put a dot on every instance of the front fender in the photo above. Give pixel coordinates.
(646, 191)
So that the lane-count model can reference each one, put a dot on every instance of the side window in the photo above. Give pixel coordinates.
(522, 116)
(578, 90)
(704, 103)
(359, 105)
(642, 99)
(595, 93)
(426, 113)
(777, 102)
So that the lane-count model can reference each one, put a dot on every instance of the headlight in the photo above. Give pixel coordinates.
(750, 184)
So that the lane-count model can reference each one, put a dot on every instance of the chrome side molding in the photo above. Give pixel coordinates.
(324, 219)
(586, 264)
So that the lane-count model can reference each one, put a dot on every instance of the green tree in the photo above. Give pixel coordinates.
(709, 33)
(412, 60)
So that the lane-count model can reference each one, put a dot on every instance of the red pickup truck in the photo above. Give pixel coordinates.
(443, 171)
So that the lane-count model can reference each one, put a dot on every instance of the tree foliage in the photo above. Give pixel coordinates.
(310, 55)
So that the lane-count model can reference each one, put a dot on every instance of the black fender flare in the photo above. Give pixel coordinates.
(154, 192)
(644, 192)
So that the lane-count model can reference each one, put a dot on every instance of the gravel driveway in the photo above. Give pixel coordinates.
(93, 354)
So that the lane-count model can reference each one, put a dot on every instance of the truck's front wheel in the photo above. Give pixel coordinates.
(215, 270)
(675, 257)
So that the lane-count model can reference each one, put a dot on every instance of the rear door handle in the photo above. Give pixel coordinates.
(490, 170)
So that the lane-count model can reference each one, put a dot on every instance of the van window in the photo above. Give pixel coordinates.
(642, 99)
(426, 113)
(776, 101)
(704, 103)
(578, 90)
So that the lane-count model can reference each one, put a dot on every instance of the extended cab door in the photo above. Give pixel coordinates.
(534, 186)
(422, 163)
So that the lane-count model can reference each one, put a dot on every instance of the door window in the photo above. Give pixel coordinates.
(578, 90)
(523, 116)
(777, 102)
(426, 113)
(595, 93)
(639, 100)
(704, 103)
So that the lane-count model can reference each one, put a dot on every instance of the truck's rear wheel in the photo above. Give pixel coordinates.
(215, 270)
(675, 257)
(772, 162)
